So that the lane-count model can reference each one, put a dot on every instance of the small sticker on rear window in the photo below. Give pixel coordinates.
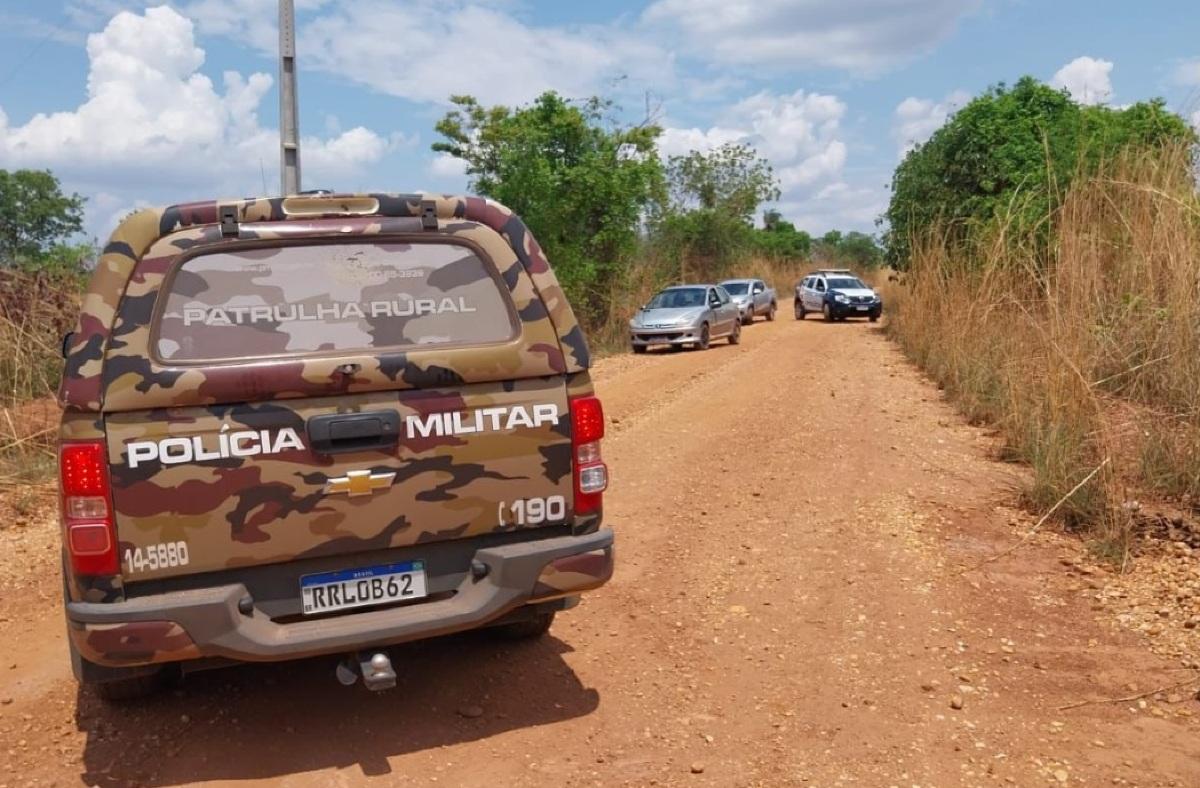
(329, 298)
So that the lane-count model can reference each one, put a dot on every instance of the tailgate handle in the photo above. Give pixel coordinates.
(341, 433)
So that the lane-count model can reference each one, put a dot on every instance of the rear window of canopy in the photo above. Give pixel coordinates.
(331, 297)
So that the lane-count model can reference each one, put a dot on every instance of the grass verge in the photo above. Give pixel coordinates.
(1085, 353)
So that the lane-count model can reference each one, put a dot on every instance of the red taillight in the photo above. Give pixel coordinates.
(591, 474)
(83, 471)
(587, 420)
(86, 508)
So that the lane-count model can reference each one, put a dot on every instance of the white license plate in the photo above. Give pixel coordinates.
(372, 585)
(862, 308)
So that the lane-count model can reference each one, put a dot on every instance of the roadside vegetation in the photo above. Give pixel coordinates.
(619, 220)
(41, 276)
(1051, 258)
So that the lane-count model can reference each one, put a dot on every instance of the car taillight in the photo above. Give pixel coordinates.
(86, 508)
(591, 474)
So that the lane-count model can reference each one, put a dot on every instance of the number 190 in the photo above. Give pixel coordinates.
(535, 511)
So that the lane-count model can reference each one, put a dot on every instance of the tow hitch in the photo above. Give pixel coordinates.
(376, 670)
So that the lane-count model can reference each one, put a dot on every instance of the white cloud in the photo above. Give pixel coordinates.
(790, 126)
(680, 142)
(1087, 79)
(916, 119)
(446, 166)
(798, 133)
(819, 166)
(866, 36)
(1187, 73)
(838, 206)
(153, 123)
(332, 160)
(427, 50)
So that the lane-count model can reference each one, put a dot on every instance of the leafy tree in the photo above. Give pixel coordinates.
(773, 221)
(780, 238)
(1014, 151)
(732, 178)
(713, 198)
(583, 186)
(852, 249)
(35, 217)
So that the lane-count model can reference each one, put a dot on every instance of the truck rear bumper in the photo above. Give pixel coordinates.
(208, 622)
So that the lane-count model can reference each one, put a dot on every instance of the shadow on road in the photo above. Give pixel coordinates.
(850, 321)
(268, 721)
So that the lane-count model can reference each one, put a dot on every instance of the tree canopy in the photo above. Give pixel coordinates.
(1014, 150)
(713, 198)
(780, 238)
(36, 218)
(583, 185)
(600, 197)
(732, 179)
(856, 249)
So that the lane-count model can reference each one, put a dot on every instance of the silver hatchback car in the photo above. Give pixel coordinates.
(686, 315)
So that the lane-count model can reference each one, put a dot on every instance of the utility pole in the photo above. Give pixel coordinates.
(289, 120)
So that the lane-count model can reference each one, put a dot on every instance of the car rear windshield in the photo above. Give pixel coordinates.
(736, 288)
(846, 283)
(316, 298)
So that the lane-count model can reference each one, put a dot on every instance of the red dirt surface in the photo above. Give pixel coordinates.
(794, 518)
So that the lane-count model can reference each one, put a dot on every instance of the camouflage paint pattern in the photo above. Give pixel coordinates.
(242, 511)
(132, 378)
(573, 574)
(132, 643)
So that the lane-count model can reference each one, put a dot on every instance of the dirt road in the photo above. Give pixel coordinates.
(793, 516)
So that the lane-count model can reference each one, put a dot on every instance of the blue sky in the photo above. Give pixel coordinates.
(134, 103)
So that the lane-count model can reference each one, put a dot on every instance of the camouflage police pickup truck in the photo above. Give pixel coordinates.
(322, 425)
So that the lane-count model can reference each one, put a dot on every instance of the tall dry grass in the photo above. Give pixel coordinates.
(1088, 358)
(35, 311)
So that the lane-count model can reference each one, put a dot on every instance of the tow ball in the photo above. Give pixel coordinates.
(375, 669)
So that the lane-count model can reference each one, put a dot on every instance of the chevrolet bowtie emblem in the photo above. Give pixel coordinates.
(359, 483)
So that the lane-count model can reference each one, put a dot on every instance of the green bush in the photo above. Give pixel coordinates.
(1013, 152)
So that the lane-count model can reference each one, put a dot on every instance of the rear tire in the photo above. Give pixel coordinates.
(705, 338)
(525, 630)
(799, 310)
(771, 312)
(116, 690)
(111, 685)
